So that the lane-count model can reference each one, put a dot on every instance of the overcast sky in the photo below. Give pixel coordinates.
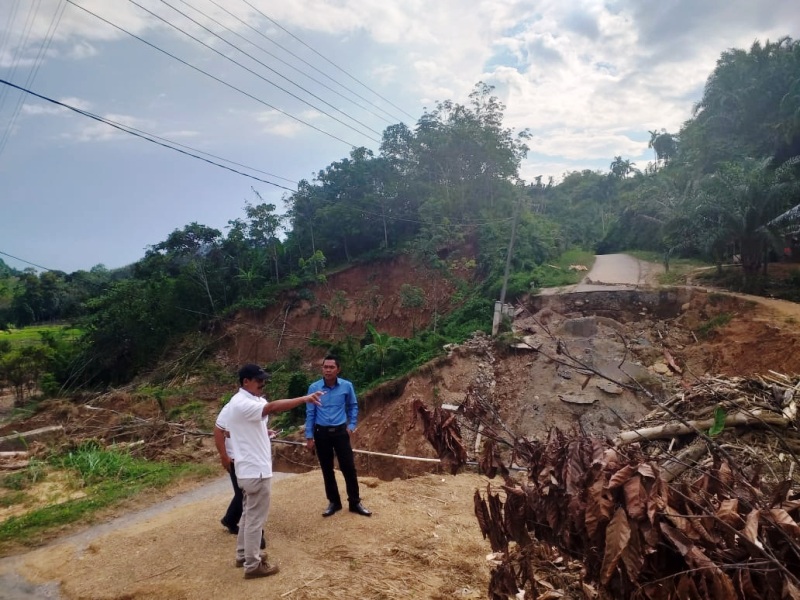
(309, 80)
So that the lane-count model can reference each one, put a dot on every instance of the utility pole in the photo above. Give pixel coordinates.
(498, 306)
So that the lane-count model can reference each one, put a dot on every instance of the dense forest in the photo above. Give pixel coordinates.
(721, 188)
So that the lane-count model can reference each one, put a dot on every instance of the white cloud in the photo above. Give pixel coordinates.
(53, 109)
(184, 133)
(96, 131)
(276, 123)
(42, 109)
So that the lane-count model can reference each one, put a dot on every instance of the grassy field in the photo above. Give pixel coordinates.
(72, 486)
(679, 268)
(32, 335)
(558, 273)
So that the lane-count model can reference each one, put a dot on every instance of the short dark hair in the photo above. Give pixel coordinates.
(332, 357)
(251, 371)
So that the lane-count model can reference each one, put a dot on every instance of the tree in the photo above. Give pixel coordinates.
(740, 204)
(263, 229)
(664, 145)
(621, 168)
(192, 252)
(22, 368)
(749, 107)
(380, 348)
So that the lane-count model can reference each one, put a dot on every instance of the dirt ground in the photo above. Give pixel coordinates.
(423, 540)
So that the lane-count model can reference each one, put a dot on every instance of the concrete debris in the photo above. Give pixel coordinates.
(576, 399)
(608, 387)
(529, 342)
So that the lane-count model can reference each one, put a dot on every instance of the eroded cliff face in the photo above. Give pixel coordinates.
(532, 387)
(397, 295)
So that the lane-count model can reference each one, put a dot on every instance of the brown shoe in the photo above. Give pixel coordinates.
(240, 561)
(264, 569)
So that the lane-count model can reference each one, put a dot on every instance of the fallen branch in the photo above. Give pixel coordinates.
(14, 454)
(676, 465)
(756, 418)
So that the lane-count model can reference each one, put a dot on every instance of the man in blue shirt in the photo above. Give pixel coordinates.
(328, 429)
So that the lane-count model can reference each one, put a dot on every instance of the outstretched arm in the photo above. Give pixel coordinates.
(289, 403)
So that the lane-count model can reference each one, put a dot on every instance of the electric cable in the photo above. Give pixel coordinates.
(54, 23)
(326, 59)
(27, 262)
(228, 58)
(143, 135)
(215, 78)
(250, 56)
(305, 62)
(33, 10)
(277, 58)
(7, 39)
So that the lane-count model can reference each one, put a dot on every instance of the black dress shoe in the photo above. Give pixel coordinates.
(234, 529)
(332, 509)
(359, 509)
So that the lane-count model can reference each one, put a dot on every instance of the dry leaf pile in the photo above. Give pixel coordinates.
(683, 506)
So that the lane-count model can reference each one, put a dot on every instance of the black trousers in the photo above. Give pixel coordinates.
(234, 512)
(330, 441)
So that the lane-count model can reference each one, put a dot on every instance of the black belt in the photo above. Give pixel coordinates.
(330, 428)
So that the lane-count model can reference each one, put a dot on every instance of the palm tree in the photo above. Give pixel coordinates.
(621, 168)
(664, 145)
(382, 344)
(742, 203)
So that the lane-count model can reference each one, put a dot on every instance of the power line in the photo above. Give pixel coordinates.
(277, 58)
(6, 39)
(217, 79)
(142, 135)
(34, 71)
(27, 262)
(233, 162)
(391, 120)
(305, 62)
(310, 93)
(228, 58)
(326, 59)
(33, 11)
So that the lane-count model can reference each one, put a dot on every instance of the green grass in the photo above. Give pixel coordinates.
(679, 268)
(106, 475)
(557, 273)
(32, 335)
(707, 328)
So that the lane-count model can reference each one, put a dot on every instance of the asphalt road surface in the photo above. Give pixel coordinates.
(622, 271)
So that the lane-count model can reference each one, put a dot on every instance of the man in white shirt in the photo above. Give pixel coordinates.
(222, 440)
(247, 420)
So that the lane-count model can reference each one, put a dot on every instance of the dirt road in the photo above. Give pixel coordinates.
(422, 542)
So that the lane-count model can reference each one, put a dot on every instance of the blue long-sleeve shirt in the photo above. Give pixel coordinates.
(339, 406)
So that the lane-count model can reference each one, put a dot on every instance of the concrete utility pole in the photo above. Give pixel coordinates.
(498, 306)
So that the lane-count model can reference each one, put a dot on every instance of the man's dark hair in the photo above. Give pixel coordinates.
(332, 357)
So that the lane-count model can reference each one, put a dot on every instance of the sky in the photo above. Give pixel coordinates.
(280, 90)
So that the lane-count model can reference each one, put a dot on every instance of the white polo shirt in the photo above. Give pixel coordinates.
(248, 429)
